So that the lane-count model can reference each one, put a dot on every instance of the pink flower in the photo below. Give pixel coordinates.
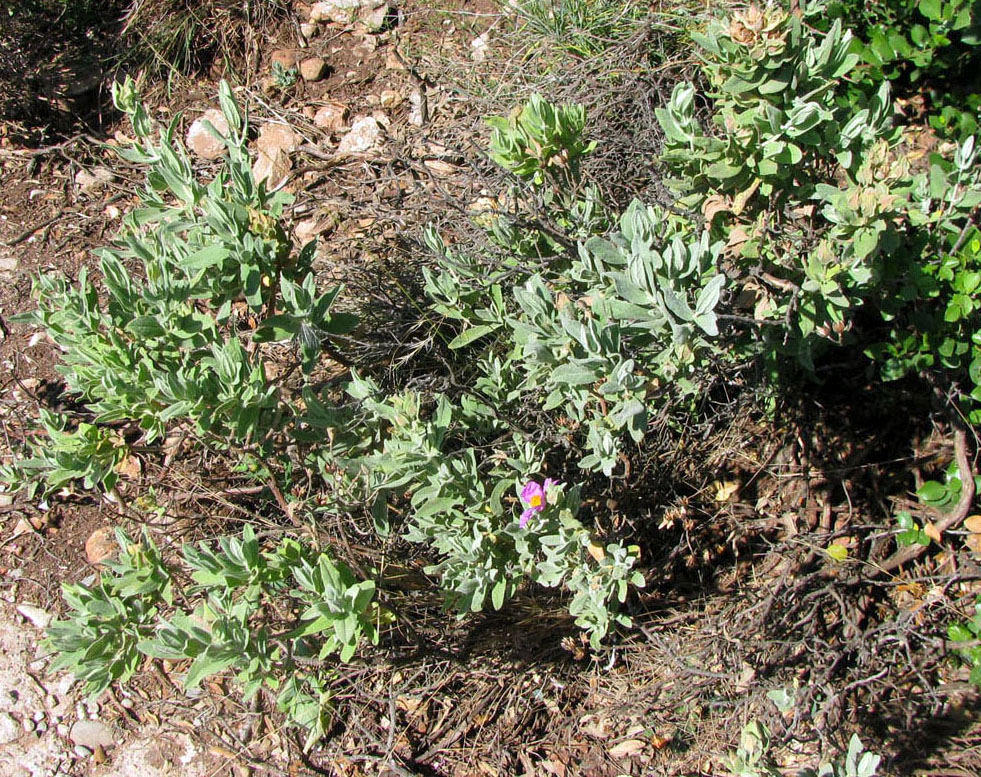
(534, 495)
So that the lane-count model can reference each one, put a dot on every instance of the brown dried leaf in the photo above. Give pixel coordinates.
(746, 678)
(739, 203)
(737, 237)
(930, 530)
(130, 468)
(409, 704)
(627, 749)
(596, 727)
(717, 203)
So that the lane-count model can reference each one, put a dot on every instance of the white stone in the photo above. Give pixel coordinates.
(94, 180)
(199, 138)
(389, 98)
(91, 734)
(8, 265)
(276, 137)
(479, 46)
(340, 11)
(9, 728)
(36, 615)
(365, 136)
(415, 112)
(374, 18)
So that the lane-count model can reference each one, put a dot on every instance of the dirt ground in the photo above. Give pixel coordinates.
(745, 602)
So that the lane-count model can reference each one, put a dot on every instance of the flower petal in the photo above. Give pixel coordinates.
(531, 490)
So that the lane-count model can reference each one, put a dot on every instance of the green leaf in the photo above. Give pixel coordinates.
(958, 632)
(204, 666)
(975, 676)
(930, 9)
(498, 593)
(379, 514)
(275, 328)
(938, 182)
(440, 504)
(470, 335)
(837, 551)
(723, 170)
(341, 323)
(880, 45)
(146, 326)
(206, 258)
(229, 107)
(933, 493)
(574, 374)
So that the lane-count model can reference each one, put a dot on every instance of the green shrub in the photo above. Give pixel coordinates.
(118, 620)
(164, 348)
(928, 45)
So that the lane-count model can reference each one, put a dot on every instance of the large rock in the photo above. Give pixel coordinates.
(374, 17)
(286, 58)
(36, 615)
(340, 11)
(313, 69)
(199, 138)
(370, 13)
(91, 734)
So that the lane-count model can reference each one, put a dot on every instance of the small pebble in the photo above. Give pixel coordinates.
(82, 752)
(80, 711)
(63, 729)
(41, 727)
(127, 704)
(28, 725)
(38, 717)
(93, 709)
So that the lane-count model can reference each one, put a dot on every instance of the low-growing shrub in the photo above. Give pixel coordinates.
(197, 291)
